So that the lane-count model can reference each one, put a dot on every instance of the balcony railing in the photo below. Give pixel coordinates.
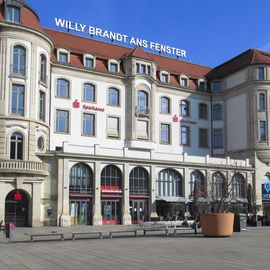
(27, 167)
(145, 111)
(18, 71)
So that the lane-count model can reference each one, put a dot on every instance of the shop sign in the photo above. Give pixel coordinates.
(266, 190)
(183, 121)
(18, 196)
(76, 105)
(113, 36)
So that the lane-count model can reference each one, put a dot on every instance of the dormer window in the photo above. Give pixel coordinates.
(202, 84)
(89, 61)
(13, 13)
(164, 77)
(143, 69)
(216, 86)
(184, 81)
(113, 66)
(63, 56)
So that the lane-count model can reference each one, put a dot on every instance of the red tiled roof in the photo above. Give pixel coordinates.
(139, 53)
(249, 57)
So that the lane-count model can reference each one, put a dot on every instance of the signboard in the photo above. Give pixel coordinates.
(266, 190)
(76, 105)
(113, 36)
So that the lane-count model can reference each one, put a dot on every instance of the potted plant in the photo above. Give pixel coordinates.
(216, 220)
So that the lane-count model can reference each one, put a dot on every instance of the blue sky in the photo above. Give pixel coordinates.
(211, 31)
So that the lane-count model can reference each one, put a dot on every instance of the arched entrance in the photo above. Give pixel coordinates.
(17, 208)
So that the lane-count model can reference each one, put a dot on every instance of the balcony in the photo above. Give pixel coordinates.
(18, 71)
(142, 111)
(26, 167)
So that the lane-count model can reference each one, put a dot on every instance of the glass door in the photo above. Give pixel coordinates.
(110, 212)
(79, 212)
(138, 211)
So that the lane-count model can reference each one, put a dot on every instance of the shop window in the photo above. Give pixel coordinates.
(239, 186)
(111, 179)
(139, 181)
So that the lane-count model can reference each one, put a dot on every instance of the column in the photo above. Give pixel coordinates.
(63, 193)
(36, 204)
(186, 190)
(125, 205)
(152, 203)
(97, 217)
(2, 200)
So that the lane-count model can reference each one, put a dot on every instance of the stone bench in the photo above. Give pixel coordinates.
(156, 229)
(120, 232)
(85, 234)
(32, 236)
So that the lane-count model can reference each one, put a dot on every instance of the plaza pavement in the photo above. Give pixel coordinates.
(244, 250)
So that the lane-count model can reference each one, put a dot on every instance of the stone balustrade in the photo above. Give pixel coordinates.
(21, 166)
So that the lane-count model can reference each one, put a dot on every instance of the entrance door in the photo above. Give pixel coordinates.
(80, 212)
(110, 212)
(138, 211)
(16, 208)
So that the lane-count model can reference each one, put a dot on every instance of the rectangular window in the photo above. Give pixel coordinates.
(89, 124)
(261, 73)
(261, 102)
(217, 111)
(89, 92)
(183, 82)
(164, 78)
(262, 131)
(62, 121)
(148, 70)
(202, 111)
(216, 86)
(142, 129)
(89, 62)
(18, 93)
(13, 14)
(202, 85)
(42, 105)
(185, 135)
(203, 137)
(165, 133)
(218, 138)
(63, 57)
(114, 67)
(143, 69)
(137, 68)
(113, 127)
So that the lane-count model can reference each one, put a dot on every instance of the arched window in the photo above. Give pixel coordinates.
(184, 108)
(139, 181)
(217, 111)
(81, 179)
(261, 102)
(169, 183)
(239, 186)
(197, 184)
(203, 111)
(43, 68)
(111, 179)
(164, 105)
(62, 88)
(19, 61)
(114, 99)
(142, 101)
(89, 93)
(218, 185)
(16, 146)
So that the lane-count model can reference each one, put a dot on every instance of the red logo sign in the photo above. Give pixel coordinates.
(175, 118)
(76, 104)
(18, 196)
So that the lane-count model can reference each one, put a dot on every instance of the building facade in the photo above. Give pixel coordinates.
(95, 133)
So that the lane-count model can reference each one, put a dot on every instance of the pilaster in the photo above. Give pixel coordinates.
(125, 206)
(97, 217)
(152, 202)
(36, 204)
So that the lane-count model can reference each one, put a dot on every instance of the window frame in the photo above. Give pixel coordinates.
(115, 63)
(216, 86)
(61, 52)
(207, 138)
(263, 69)
(43, 78)
(184, 103)
(262, 139)
(88, 57)
(109, 97)
(187, 135)
(14, 6)
(42, 109)
(203, 111)
(215, 116)
(215, 145)
(18, 95)
(142, 137)
(94, 92)
(186, 78)
(58, 89)
(164, 74)
(168, 110)
(93, 123)
(19, 70)
(112, 135)
(168, 142)
(16, 142)
(68, 121)
(261, 106)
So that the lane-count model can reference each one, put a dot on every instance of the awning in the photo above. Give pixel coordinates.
(172, 199)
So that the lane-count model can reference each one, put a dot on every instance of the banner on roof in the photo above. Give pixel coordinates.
(113, 36)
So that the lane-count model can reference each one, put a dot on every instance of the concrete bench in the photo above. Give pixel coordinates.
(32, 236)
(119, 232)
(156, 229)
(85, 233)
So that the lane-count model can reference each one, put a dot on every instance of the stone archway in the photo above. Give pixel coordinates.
(17, 208)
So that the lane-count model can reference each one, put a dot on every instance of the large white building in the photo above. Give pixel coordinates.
(96, 133)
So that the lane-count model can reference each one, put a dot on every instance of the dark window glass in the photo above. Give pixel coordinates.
(114, 67)
(165, 105)
(42, 105)
(218, 138)
(262, 131)
(203, 111)
(216, 86)
(89, 92)
(88, 124)
(142, 101)
(165, 133)
(185, 135)
(217, 112)
(62, 121)
(114, 99)
(18, 94)
(261, 102)
(203, 137)
(19, 61)
(63, 57)
(261, 73)
(184, 108)
(16, 146)
(197, 184)
(89, 62)
(139, 181)
(62, 88)
(111, 179)
(43, 69)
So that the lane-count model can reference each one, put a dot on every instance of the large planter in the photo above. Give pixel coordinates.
(217, 225)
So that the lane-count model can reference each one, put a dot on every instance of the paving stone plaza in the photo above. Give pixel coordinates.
(244, 250)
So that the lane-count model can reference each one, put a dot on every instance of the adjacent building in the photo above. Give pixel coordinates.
(96, 133)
